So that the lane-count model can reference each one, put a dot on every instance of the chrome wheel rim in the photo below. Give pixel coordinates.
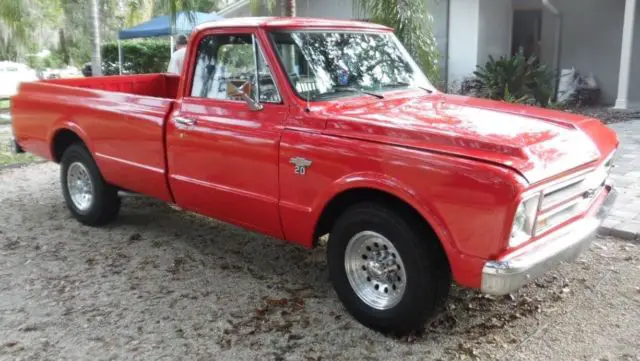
(375, 270)
(79, 186)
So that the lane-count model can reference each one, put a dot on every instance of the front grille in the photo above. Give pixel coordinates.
(571, 197)
(563, 191)
(565, 211)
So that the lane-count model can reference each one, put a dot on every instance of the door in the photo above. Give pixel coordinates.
(222, 152)
(526, 32)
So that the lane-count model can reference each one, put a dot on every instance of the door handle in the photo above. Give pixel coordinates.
(185, 121)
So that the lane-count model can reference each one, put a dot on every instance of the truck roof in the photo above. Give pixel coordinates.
(291, 23)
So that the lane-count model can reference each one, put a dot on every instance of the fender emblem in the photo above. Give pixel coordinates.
(300, 165)
(590, 193)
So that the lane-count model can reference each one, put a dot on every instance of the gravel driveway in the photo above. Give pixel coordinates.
(165, 285)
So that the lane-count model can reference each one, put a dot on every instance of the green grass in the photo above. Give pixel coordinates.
(7, 158)
(4, 109)
(11, 159)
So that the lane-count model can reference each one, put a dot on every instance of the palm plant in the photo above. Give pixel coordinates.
(96, 58)
(412, 24)
(515, 79)
(173, 7)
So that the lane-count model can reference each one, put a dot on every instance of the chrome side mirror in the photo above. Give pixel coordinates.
(242, 93)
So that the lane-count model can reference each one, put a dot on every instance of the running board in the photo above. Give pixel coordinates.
(130, 194)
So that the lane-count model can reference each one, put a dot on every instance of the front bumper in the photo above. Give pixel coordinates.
(503, 276)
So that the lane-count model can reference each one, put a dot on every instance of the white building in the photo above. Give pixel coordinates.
(592, 36)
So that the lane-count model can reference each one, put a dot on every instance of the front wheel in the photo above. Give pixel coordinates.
(386, 271)
(91, 200)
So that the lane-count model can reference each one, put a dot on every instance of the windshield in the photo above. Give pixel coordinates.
(323, 65)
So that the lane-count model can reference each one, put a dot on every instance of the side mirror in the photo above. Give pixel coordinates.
(243, 92)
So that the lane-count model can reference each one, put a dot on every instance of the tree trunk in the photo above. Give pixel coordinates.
(290, 8)
(64, 49)
(96, 56)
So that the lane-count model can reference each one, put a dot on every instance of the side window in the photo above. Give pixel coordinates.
(296, 67)
(226, 62)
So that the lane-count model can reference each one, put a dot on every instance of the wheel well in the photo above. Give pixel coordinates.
(61, 141)
(340, 203)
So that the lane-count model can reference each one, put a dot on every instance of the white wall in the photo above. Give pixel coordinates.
(494, 29)
(331, 9)
(477, 29)
(526, 4)
(463, 39)
(439, 11)
(236, 10)
(634, 92)
(591, 42)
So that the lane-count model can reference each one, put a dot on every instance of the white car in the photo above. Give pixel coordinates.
(11, 75)
(70, 72)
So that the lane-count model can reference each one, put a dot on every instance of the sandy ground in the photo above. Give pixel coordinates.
(165, 285)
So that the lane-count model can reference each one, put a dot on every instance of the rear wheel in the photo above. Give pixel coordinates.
(386, 271)
(91, 200)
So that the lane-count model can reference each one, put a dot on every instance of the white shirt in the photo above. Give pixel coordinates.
(177, 60)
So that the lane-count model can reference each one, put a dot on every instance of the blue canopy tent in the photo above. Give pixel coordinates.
(161, 26)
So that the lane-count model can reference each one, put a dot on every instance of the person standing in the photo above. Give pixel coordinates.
(177, 58)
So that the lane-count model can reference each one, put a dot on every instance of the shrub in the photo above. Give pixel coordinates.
(512, 79)
(139, 56)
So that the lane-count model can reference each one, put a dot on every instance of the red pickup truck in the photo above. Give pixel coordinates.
(303, 128)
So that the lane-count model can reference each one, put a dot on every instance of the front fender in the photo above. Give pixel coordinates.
(465, 268)
(467, 203)
(387, 184)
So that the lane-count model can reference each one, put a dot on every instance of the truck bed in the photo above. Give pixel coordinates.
(120, 118)
(151, 85)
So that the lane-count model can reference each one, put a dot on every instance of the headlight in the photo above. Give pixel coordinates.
(523, 221)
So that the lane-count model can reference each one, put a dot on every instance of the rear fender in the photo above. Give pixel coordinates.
(66, 124)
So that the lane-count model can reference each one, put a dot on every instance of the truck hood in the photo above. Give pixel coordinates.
(538, 143)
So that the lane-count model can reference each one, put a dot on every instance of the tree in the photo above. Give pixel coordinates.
(288, 6)
(20, 23)
(173, 7)
(26, 25)
(96, 58)
(412, 24)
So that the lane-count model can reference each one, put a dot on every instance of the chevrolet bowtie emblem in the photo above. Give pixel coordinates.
(300, 165)
(589, 193)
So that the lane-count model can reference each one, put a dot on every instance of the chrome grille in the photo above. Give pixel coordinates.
(563, 191)
(571, 197)
(564, 212)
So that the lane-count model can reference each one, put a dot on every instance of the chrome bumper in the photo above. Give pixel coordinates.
(508, 274)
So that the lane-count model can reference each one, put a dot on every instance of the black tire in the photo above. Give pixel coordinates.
(428, 277)
(105, 205)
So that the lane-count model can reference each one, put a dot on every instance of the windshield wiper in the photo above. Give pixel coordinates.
(358, 90)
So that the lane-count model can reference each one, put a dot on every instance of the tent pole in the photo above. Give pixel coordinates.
(172, 45)
(119, 56)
